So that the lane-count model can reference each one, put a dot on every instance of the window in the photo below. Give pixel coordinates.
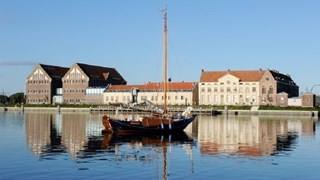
(228, 89)
(203, 90)
(182, 97)
(216, 99)
(229, 98)
(215, 89)
(254, 89)
(221, 89)
(202, 98)
(254, 99)
(247, 90)
(247, 99)
(271, 90)
(240, 89)
(222, 99)
(264, 90)
(209, 89)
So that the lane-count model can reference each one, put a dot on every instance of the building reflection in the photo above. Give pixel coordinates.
(59, 133)
(38, 132)
(80, 134)
(251, 135)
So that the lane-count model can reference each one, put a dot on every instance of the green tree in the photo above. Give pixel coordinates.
(17, 98)
(4, 99)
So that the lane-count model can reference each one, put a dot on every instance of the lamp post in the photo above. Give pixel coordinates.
(316, 99)
(314, 86)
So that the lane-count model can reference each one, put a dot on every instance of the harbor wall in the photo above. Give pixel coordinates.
(195, 111)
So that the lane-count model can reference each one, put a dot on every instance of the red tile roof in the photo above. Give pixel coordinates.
(153, 86)
(244, 76)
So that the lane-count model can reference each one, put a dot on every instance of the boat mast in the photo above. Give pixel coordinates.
(165, 56)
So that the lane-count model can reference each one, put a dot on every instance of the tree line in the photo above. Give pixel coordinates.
(17, 98)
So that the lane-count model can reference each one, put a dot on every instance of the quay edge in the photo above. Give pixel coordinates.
(176, 110)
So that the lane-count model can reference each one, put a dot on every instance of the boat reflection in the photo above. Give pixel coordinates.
(144, 140)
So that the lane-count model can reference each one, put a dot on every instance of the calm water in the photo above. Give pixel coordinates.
(70, 146)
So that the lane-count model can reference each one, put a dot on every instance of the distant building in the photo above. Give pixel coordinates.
(295, 101)
(305, 100)
(43, 82)
(83, 76)
(94, 95)
(179, 93)
(253, 87)
(308, 100)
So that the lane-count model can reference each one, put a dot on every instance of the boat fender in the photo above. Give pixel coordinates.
(169, 125)
(162, 125)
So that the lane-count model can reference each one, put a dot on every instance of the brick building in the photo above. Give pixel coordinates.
(83, 76)
(43, 82)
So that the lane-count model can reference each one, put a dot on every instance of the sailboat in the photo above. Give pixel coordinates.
(156, 122)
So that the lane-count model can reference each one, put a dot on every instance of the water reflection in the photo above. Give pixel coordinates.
(80, 135)
(251, 135)
(59, 133)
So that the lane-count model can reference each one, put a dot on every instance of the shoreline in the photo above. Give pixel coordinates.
(195, 111)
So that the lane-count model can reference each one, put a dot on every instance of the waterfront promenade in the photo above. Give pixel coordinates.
(170, 110)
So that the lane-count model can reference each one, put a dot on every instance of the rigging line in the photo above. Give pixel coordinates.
(174, 60)
(159, 61)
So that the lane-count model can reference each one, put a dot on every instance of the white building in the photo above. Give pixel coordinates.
(179, 93)
(254, 87)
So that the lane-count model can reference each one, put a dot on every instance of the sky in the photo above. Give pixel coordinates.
(127, 35)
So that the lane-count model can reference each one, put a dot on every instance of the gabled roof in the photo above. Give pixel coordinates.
(54, 71)
(154, 86)
(244, 76)
(282, 77)
(99, 72)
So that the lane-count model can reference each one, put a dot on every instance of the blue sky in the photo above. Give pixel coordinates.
(202, 34)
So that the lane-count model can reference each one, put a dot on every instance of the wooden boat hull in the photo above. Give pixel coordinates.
(134, 127)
